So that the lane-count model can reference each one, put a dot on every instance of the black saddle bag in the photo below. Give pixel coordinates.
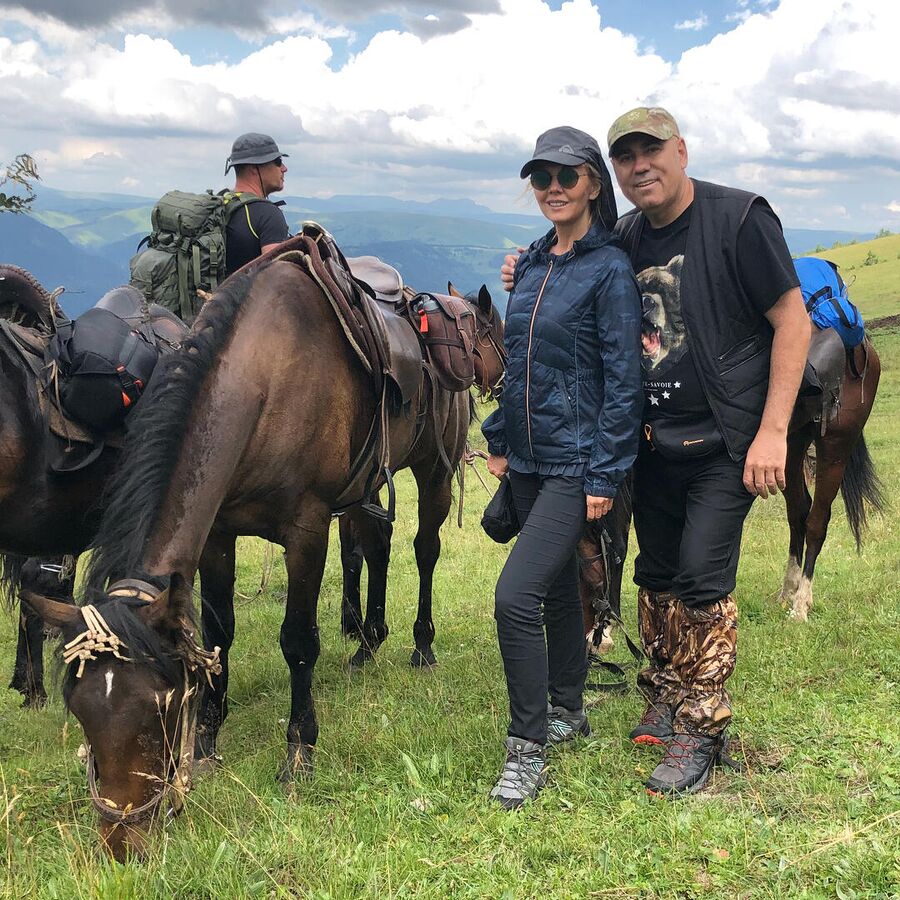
(103, 366)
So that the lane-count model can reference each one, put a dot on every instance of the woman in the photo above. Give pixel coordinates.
(565, 433)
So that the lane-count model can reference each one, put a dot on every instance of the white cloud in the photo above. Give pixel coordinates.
(783, 100)
(893, 206)
(697, 24)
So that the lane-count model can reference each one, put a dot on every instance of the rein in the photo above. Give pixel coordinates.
(100, 638)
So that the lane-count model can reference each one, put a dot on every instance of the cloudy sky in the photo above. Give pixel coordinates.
(797, 100)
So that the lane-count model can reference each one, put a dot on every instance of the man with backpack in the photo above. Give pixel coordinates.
(256, 227)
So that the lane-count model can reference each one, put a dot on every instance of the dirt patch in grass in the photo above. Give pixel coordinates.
(884, 322)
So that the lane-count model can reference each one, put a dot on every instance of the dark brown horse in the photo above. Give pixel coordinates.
(434, 459)
(842, 462)
(251, 429)
(44, 513)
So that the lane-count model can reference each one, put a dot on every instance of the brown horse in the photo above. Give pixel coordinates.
(842, 462)
(252, 428)
(434, 459)
(44, 513)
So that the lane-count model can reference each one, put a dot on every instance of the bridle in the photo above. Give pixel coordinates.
(484, 338)
(99, 638)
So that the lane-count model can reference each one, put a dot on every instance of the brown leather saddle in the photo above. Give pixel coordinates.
(365, 298)
(28, 317)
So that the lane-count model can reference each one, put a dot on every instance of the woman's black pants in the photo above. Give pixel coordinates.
(537, 592)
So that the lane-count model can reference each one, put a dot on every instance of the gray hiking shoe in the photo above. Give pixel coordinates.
(563, 725)
(524, 773)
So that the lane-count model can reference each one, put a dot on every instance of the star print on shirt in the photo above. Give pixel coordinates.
(654, 400)
(666, 395)
(677, 384)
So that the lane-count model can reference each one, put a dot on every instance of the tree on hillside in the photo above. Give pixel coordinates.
(22, 171)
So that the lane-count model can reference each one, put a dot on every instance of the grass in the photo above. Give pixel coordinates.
(397, 807)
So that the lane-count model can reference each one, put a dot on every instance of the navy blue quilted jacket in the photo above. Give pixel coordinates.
(572, 397)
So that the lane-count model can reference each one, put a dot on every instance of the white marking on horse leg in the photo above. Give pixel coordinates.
(791, 583)
(606, 641)
(803, 601)
(109, 681)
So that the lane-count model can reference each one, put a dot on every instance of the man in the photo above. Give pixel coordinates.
(725, 337)
(258, 225)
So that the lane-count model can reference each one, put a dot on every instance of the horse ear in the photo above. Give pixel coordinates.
(484, 300)
(452, 291)
(60, 615)
(170, 609)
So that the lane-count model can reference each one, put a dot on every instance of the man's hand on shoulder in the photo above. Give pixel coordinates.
(764, 466)
(509, 267)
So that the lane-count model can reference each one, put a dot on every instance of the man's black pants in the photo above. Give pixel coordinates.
(688, 517)
(537, 591)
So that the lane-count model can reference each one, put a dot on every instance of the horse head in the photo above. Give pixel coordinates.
(131, 682)
(490, 356)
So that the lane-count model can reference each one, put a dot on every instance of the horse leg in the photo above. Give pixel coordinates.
(375, 540)
(217, 619)
(351, 567)
(798, 502)
(832, 453)
(434, 505)
(305, 550)
(28, 673)
(47, 580)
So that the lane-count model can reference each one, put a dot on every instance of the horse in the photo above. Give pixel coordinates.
(434, 459)
(45, 513)
(252, 427)
(842, 462)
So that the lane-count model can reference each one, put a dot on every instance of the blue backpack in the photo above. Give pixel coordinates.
(827, 303)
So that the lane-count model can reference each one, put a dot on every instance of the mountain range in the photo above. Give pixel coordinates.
(84, 241)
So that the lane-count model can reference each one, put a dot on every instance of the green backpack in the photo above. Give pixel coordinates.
(186, 249)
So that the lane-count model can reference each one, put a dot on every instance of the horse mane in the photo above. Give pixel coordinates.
(155, 432)
(143, 644)
(24, 300)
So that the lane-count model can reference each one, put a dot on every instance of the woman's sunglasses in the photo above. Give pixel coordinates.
(566, 177)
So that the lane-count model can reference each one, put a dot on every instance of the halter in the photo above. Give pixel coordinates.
(99, 638)
(484, 337)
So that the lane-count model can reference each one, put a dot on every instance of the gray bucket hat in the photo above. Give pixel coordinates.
(253, 149)
(563, 145)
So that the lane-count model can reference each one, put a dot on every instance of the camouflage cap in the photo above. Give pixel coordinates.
(652, 120)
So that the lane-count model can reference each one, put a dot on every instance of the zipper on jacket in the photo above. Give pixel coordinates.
(537, 303)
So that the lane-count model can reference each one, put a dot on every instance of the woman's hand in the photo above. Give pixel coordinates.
(597, 507)
(497, 466)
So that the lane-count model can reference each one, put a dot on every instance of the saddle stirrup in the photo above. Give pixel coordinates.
(379, 512)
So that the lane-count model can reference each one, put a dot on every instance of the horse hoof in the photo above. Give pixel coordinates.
(298, 765)
(359, 659)
(35, 701)
(206, 765)
(423, 659)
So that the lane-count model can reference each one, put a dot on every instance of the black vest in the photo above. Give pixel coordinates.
(730, 339)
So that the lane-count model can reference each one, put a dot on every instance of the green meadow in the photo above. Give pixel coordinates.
(398, 804)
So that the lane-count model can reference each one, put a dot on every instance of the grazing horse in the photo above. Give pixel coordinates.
(842, 463)
(46, 513)
(252, 428)
(433, 459)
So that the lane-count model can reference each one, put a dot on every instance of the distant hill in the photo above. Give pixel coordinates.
(55, 262)
(429, 242)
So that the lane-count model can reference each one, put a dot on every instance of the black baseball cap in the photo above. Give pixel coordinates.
(253, 149)
(563, 145)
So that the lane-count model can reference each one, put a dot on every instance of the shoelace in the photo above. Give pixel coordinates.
(520, 770)
(679, 760)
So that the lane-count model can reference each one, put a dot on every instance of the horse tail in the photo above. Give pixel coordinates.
(11, 565)
(861, 486)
